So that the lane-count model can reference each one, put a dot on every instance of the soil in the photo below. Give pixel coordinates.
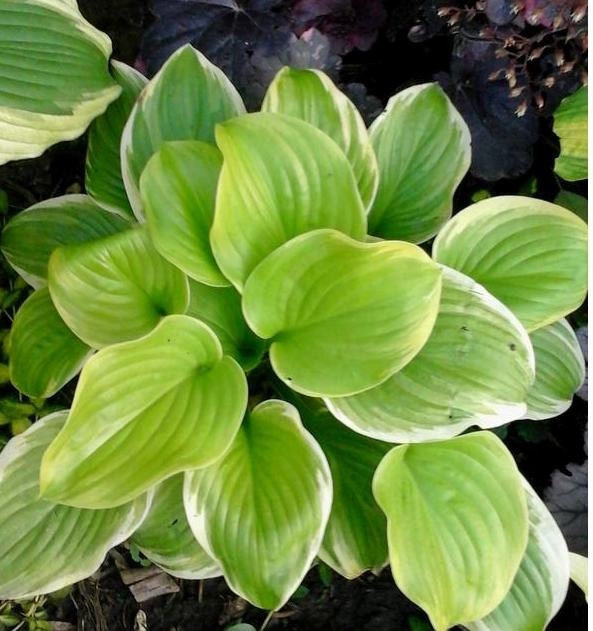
(370, 602)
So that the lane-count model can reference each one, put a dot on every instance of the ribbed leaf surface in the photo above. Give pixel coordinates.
(173, 383)
(570, 124)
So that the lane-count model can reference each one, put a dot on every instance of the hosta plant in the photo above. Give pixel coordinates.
(271, 367)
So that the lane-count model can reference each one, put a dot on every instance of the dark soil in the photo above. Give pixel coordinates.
(370, 602)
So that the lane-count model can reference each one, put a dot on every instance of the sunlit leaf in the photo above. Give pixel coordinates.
(220, 309)
(423, 150)
(54, 77)
(475, 369)
(261, 510)
(540, 585)
(570, 124)
(115, 289)
(29, 238)
(166, 538)
(46, 546)
(530, 254)
(281, 177)
(178, 190)
(184, 101)
(103, 179)
(312, 96)
(355, 539)
(579, 566)
(173, 383)
(456, 522)
(44, 353)
(560, 370)
(342, 315)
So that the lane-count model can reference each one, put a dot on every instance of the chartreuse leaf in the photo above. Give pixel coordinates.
(355, 539)
(342, 315)
(570, 124)
(173, 383)
(475, 369)
(183, 101)
(178, 190)
(166, 538)
(29, 238)
(261, 510)
(54, 77)
(103, 178)
(115, 289)
(281, 177)
(312, 96)
(560, 370)
(457, 524)
(540, 585)
(579, 572)
(46, 546)
(419, 138)
(44, 353)
(530, 254)
(220, 309)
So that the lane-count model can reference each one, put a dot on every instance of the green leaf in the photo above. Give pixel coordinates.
(313, 97)
(178, 190)
(577, 203)
(220, 309)
(540, 585)
(166, 538)
(355, 539)
(560, 370)
(103, 176)
(183, 101)
(457, 524)
(281, 177)
(29, 238)
(115, 289)
(475, 369)
(46, 546)
(44, 353)
(342, 316)
(261, 510)
(570, 124)
(53, 75)
(530, 254)
(174, 384)
(423, 150)
(579, 571)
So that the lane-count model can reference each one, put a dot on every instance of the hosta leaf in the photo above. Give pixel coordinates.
(115, 289)
(220, 309)
(261, 510)
(342, 316)
(103, 179)
(530, 254)
(184, 101)
(44, 353)
(570, 124)
(281, 177)
(46, 546)
(475, 369)
(419, 138)
(173, 383)
(456, 523)
(560, 370)
(312, 96)
(540, 585)
(355, 539)
(29, 238)
(579, 572)
(166, 538)
(178, 190)
(53, 75)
